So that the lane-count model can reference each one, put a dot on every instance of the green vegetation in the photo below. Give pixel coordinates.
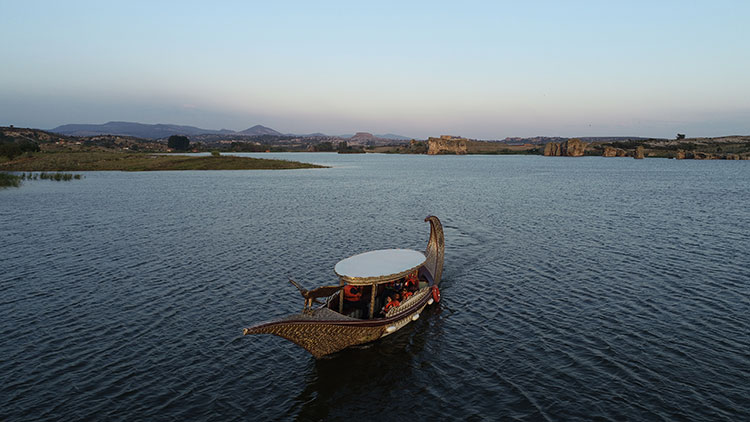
(253, 147)
(9, 180)
(12, 148)
(325, 147)
(101, 161)
(344, 148)
(178, 143)
(65, 177)
(215, 153)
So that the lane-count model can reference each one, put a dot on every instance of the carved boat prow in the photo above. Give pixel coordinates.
(332, 327)
(435, 248)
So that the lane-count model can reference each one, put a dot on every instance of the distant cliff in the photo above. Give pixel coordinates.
(570, 148)
(614, 152)
(446, 144)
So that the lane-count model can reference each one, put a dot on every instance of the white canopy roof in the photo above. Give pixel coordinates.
(384, 263)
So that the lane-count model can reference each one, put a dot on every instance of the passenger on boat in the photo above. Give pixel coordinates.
(406, 294)
(393, 301)
(412, 282)
(396, 285)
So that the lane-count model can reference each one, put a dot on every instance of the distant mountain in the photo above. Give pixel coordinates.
(260, 130)
(160, 131)
(140, 130)
(156, 131)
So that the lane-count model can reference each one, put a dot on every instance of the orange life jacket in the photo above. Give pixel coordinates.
(350, 296)
(392, 304)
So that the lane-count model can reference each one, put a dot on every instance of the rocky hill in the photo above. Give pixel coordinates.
(447, 144)
(139, 130)
(258, 130)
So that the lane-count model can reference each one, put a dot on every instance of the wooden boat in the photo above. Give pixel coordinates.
(338, 323)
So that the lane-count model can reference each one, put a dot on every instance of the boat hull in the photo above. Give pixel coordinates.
(321, 331)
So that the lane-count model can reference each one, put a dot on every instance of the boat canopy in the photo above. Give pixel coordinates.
(379, 266)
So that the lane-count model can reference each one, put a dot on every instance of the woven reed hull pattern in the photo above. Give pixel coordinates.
(321, 339)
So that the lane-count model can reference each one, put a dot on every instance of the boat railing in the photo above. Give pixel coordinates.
(418, 295)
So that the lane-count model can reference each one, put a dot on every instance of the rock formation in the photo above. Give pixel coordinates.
(701, 156)
(698, 155)
(614, 152)
(446, 145)
(552, 149)
(570, 148)
(639, 153)
(573, 148)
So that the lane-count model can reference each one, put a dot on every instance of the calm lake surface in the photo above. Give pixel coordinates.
(573, 289)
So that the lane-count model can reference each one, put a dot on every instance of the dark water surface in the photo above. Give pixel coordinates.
(574, 289)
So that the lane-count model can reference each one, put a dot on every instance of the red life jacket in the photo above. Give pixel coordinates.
(412, 282)
(392, 304)
(407, 294)
(350, 296)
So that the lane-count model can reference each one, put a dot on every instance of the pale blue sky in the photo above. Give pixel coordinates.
(480, 69)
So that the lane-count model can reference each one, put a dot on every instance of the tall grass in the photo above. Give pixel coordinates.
(57, 176)
(9, 180)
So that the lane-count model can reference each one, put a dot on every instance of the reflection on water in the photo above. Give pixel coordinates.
(573, 289)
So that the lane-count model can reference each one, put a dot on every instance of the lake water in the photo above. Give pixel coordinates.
(573, 289)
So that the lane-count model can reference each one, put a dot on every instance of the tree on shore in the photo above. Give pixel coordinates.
(324, 146)
(12, 148)
(178, 142)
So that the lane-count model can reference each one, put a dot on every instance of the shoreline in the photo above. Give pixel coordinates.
(122, 161)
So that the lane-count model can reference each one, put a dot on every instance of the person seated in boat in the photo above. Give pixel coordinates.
(406, 294)
(392, 301)
(353, 298)
(412, 282)
(396, 285)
